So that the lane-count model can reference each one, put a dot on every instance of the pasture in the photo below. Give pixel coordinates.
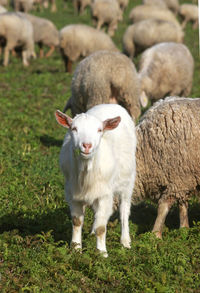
(35, 224)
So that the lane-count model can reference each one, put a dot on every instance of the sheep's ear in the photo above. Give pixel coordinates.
(112, 123)
(63, 119)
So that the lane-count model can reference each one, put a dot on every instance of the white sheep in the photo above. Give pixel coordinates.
(106, 12)
(98, 161)
(159, 3)
(16, 32)
(148, 32)
(142, 12)
(105, 77)
(79, 40)
(190, 13)
(166, 69)
(45, 33)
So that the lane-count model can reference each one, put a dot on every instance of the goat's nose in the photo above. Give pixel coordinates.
(87, 146)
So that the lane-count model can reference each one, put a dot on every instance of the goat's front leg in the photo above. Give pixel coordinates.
(103, 210)
(77, 214)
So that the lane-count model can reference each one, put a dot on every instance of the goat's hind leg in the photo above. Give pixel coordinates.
(125, 206)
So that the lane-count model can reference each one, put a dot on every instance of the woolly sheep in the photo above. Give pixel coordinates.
(166, 69)
(98, 161)
(160, 3)
(80, 40)
(45, 33)
(190, 13)
(16, 31)
(168, 157)
(105, 77)
(23, 5)
(106, 12)
(142, 12)
(80, 5)
(146, 33)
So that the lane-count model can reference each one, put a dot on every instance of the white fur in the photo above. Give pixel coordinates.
(108, 170)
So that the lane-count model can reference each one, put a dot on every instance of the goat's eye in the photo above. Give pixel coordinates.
(99, 130)
(74, 128)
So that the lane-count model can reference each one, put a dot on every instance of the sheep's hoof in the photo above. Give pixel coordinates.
(158, 234)
(126, 243)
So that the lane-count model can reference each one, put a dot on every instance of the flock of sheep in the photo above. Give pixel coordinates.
(99, 151)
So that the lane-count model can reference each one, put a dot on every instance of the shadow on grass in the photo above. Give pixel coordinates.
(144, 216)
(49, 141)
(57, 220)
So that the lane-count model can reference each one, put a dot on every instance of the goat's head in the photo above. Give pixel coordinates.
(86, 131)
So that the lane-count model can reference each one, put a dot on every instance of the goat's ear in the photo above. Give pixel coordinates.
(63, 119)
(112, 123)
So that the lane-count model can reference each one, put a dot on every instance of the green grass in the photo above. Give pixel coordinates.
(35, 224)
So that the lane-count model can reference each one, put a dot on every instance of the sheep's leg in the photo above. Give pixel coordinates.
(103, 211)
(24, 58)
(163, 209)
(184, 22)
(99, 24)
(112, 27)
(50, 52)
(125, 206)
(195, 24)
(77, 213)
(183, 214)
(6, 56)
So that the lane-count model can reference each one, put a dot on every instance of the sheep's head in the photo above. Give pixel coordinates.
(86, 131)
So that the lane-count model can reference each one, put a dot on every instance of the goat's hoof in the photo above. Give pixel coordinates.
(103, 253)
(126, 243)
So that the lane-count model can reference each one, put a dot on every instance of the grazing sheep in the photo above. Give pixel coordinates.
(23, 5)
(142, 12)
(79, 40)
(168, 157)
(190, 13)
(16, 32)
(105, 77)
(106, 12)
(158, 3)
(80, 5)
(146, 33)
(45, 33)
(166, 69)
(98, 161)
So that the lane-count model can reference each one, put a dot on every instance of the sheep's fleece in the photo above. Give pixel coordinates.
(168, 156)
(105, 77)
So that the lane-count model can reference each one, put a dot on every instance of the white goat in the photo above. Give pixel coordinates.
(98, 161)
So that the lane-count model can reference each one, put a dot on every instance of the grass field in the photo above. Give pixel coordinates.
(35, 225)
